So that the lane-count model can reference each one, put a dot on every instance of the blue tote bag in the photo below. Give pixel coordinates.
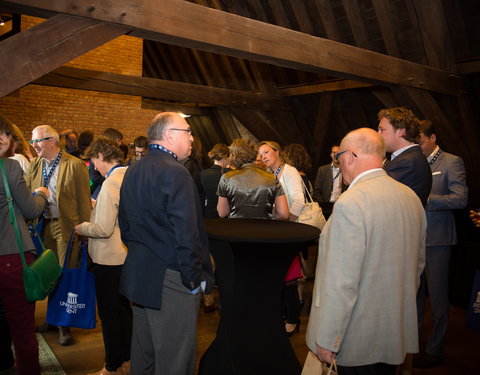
(72, 303)
(473, 311)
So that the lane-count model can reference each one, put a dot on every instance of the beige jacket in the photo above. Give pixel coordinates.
(105, 245)
(371, 255)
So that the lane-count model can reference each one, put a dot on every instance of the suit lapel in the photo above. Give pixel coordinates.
(62, 167)
(436, 164)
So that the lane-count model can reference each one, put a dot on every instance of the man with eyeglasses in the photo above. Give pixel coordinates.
(161, 222)
(329, 184)
(66, 177)
(371, 255)
(399, 128)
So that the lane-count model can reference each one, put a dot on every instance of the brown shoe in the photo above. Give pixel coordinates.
(65, 336)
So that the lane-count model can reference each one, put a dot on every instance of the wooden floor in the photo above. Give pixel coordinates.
(86, 354)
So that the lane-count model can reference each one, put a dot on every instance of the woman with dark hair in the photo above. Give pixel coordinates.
(19, 313)
(84, 140)
(248, 191)
(210, 178)
(108, 254)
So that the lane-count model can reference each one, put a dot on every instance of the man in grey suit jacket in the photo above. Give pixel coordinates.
(371, 255)
(449, 192)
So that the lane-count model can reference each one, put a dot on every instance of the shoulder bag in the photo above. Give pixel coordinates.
(40, 277)
(311, 213)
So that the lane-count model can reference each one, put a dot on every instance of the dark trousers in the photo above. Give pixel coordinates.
(20, 313)
(291, 303)
(375, 369)
(115, 313)
(6, 354)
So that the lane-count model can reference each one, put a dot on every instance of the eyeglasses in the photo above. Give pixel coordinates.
(189, 131)
(33, 141)
(337, 155)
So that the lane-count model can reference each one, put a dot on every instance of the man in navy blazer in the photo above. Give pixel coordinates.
(168, 259)
(449, 192)
(399, 128)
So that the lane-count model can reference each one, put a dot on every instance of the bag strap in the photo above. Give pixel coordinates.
(309, 196)
(13, 217)
(333, 366)
(83, 249)
(35, 233)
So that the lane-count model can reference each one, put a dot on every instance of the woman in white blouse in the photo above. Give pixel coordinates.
(291, 182)
(108, 254)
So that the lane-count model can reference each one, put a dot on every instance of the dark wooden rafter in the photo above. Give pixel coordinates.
(155, 88)
(384, 15)
(435, 36)
(315, 88)
(32, 53)
(386, 97)
(225, 122)
(355, 19)
(182, 23)
(186, 108)
(301, 15)
(328, 19)
(321, 124)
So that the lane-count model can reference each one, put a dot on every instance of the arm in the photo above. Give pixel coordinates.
(457, 196)
(293, 187)
(223, 208)
(30, 206)
(106, 210)
(341, 257)
(317, 191)
(281, 208)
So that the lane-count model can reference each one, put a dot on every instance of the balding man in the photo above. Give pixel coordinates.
(66, 177)
(161, 223)
(371, 255)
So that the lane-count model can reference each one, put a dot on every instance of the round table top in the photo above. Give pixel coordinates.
(260, 231)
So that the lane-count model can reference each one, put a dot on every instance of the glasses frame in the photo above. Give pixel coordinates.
(33, 141)
(337, 155)
(189, 131)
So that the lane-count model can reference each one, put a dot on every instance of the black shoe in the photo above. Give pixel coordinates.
(65, 337)
(45, 327)
(426, 360)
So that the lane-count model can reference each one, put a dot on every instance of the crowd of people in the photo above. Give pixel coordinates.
(386, 243)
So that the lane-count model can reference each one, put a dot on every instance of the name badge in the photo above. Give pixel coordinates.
(435, 173)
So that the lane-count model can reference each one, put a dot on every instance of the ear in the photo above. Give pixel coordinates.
(101, 157)
(433, 138)
(400, 132)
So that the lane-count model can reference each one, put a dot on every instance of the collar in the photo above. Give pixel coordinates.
(355, 180)
(155, 146)
(433, 154)
(400, 150)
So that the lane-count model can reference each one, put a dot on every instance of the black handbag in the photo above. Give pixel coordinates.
(40, 277)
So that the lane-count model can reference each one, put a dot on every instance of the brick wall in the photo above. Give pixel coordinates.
(62, 108)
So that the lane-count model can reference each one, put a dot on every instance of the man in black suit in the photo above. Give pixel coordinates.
(168, 260)
(399, 128)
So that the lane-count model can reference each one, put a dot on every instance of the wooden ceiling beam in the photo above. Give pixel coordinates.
(83, 79)
(384, 13)
(356, 22)
(34, 52)
(185, 24)
(316, 88)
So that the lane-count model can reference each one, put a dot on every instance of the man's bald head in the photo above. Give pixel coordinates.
(362, 149)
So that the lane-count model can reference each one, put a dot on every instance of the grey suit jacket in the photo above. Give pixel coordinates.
(449, 192)
(371, 255)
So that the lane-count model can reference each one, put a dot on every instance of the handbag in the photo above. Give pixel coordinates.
(40, 277)
(473, 311)
(72, 303)
(311, 213)
(313, 366)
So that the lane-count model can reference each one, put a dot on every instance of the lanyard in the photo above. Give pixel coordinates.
(46, 178)
(163, 149)
(338, 173)
(113, 168)
(435, 157)
(278, 171)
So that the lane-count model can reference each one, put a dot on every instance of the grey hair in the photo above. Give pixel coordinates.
(159, 124)
(48, 131)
